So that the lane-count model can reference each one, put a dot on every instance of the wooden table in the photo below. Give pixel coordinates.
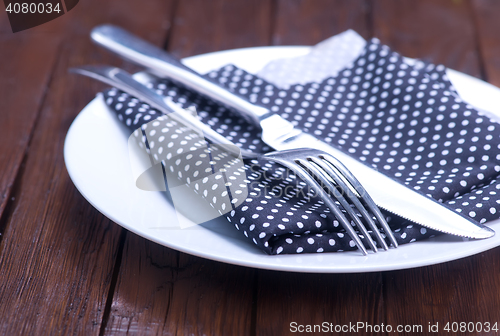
(67, 269)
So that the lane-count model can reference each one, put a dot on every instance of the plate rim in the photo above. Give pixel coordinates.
(277, 264)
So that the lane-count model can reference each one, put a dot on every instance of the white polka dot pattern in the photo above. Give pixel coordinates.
(401, 119)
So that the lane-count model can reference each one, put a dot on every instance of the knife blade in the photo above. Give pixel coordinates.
(280, 134)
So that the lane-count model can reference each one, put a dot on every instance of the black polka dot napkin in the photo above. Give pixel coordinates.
(404, 120)
(324, 60)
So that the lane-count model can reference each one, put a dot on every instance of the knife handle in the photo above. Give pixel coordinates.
(160, 62)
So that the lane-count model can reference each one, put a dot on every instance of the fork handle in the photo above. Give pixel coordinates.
(122, 80)
(160, 62)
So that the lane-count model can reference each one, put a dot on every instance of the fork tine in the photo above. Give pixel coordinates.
(306, 177)
(320, 175)
(336, 176)
(364, 196)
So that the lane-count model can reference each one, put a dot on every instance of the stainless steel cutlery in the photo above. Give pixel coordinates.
(344, 184)
(280, 134)
(325, 175)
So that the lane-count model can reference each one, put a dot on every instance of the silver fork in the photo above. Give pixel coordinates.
(325, 175)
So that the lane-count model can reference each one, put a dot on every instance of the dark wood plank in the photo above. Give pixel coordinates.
(303, 22)
(465, 290)
(205, 26)
(57, 252)
(161, 291)
(486, 14)
(143, 293)
(19, 105)
(439, 31)
(311, 299)
(289, 302)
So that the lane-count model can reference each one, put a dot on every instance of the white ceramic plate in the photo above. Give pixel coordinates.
(96, 157)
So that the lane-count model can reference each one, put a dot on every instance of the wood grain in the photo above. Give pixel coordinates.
(303, 22)
(486, 18)
(438, 31)
(459, 291)
(203, 26)
(19, 107)
(57, 252)
(161, 291)
(312, 299)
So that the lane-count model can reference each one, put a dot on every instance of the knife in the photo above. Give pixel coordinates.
(280, 134)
